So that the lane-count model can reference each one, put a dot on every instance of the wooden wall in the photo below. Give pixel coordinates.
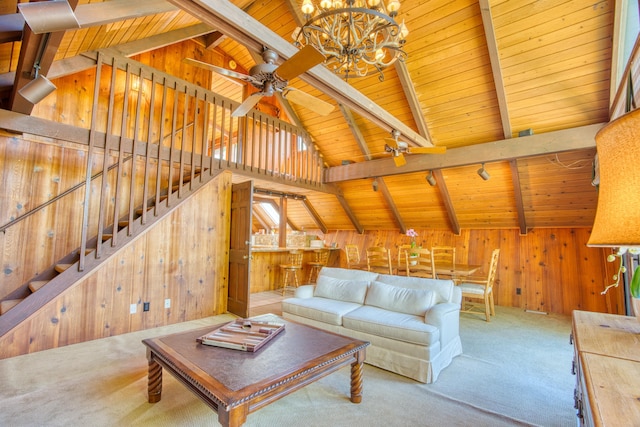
(547, 270)
(183, 258)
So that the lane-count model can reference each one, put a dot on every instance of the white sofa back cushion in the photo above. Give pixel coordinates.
(403, 300)
(342, 290)
(444, 289)
(348, 274)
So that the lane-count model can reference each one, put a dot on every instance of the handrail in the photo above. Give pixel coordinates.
(55, 199)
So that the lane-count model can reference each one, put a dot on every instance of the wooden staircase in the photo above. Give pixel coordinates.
(32, 296)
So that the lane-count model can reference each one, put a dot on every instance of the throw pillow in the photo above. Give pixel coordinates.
(402, 300)
(341, 290)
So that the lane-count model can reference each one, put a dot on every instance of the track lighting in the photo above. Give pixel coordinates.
(37, 89)
(375, 185)
(48, 16)
(483, 173)
(431, 179)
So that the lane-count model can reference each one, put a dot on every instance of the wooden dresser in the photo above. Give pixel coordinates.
(607, 368)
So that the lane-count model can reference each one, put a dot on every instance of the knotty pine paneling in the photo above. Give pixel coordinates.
(553, 268)
(183, 258)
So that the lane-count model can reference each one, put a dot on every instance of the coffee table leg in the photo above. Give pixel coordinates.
(154, 386)
(233, 418)
(356, 377)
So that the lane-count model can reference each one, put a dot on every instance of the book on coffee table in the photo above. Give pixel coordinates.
(242, 334)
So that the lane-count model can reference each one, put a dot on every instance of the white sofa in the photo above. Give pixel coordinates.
(412, 323)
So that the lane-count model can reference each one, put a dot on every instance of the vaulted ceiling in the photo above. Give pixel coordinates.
(479, 73)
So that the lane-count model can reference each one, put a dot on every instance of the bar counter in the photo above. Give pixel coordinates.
(266, 274)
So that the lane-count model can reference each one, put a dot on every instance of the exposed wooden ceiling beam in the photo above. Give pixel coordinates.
(448, 204)
(226, 17)
(496, 68)
(92, 14)
(314, 214)
(382, 187)
(508, 149)
(350, 214)
(11, 26)
(412, 98)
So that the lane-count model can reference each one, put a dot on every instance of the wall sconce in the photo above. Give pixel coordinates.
(617, 221)
(48, 16)
(37, 89)
(431, 179)
(483, 173)
(374, 184)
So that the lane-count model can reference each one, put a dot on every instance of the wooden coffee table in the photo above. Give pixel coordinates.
(235, 383)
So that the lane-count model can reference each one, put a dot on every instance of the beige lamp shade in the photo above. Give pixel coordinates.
(617, 221)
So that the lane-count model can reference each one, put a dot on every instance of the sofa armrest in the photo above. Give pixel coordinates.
(304, 291)
(445, 317)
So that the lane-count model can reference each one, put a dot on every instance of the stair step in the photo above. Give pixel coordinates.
(62, 267)
(37, 284)
(8, 304)
(106, 237)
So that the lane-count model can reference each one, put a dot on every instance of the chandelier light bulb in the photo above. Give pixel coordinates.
(404, 31)
(373, 3)
(326, 4)
(379, 55)
(307, 7)
(393, 7)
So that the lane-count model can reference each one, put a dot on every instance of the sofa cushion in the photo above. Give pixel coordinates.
(390, 324)
(348, 274)
(402, 300)
(320, 309)
(341, 290)
(444, 289)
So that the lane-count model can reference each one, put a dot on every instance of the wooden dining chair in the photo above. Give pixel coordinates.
(481, 289)
(320, 259)
(403, 259)
(420, 265)
(443, 261)
(291, 267)
(353, 257)
(379, 260)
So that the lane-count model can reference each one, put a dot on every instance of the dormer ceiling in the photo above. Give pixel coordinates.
(520, 86)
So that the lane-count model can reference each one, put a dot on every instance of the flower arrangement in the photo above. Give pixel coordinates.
(412, 234)
(635, 282)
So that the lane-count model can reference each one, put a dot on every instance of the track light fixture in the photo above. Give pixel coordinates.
(49, 16)
(375, 185)
(431, 179)
(483, 173)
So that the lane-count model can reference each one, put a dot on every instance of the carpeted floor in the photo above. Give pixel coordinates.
(515, 370)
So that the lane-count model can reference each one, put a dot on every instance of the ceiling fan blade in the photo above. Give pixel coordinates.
(391, 143)
(247, 104)
(219, 70)
(399, 160)
(428, 150)
(308, 101)
(304, 59)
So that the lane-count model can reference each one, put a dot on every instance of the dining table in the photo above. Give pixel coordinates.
(457, 270)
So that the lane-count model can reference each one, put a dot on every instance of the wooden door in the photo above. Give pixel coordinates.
(239, 249)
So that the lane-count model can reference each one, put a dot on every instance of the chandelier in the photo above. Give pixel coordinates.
(358, 37)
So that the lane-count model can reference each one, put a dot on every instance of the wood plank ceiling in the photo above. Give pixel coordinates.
(478, 73)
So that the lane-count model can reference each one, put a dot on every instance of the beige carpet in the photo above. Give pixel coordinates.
(514, 371)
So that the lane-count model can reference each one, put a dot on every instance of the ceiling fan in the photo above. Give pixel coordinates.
(399, 148)
(270, 78)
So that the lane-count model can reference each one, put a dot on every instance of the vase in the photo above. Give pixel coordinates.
(413, 260)
(635, 304)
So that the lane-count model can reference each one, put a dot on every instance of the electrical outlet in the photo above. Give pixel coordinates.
(518, 291)
(145, 306)
(133, 308)
(167, 303)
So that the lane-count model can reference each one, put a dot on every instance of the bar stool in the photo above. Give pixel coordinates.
(320, 260)
(293, 265)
